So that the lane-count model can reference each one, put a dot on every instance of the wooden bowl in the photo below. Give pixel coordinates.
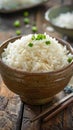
(55, 11)
(35, 88)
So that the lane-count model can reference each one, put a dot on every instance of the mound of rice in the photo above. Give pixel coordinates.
(36, 53)
(64, 20)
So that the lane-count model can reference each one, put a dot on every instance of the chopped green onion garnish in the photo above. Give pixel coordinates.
(33, 37)
(70, 59)
(26, 20)
(40, 37)
(30, 44)
(18, 32)
(34, 28)
(17, 23)
(26, 14)
(48, 42)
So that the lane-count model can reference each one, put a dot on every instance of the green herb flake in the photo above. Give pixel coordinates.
(17, 23)
(70, 59)
(30, 44)
(18, 32)
(40, 37)
(48, 42)
(26, 14)
(33, 37)
(26, 20)
(34, 28)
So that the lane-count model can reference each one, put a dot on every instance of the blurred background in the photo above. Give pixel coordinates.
(26, 13)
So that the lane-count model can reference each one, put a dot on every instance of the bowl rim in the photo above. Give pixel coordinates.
(35, 73)
(8, 11)
(51, 23)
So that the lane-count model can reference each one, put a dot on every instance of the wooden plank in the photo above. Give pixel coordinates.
(62, 121)
(20, 117)
(4, 91)
(29, 113)
(9, 108)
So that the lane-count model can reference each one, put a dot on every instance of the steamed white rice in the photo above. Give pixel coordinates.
(64, 20)
(40, 57)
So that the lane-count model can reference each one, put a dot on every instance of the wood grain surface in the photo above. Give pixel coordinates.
(9, 108)
(59, 119)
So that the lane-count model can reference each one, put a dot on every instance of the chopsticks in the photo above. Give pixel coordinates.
(64, 105)
(53, 110)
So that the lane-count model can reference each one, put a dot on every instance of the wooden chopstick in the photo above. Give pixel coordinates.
(52, 108)
(64, 105)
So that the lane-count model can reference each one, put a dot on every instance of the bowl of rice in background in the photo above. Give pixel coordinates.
(36, 66)
(61, 19)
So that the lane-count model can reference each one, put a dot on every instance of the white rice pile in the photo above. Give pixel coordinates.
(64, 20)
(36, 53)
(13, 4)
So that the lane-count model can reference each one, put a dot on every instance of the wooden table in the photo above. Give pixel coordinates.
(14, 114)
